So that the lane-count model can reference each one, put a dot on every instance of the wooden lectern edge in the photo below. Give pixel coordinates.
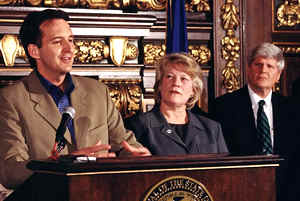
(155, 163)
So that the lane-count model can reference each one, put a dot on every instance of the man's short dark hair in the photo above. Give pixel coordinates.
(30, 32)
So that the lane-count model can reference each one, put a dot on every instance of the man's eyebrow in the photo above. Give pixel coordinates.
(60, 37)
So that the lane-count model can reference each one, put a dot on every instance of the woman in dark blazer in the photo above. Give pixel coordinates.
(170, 128)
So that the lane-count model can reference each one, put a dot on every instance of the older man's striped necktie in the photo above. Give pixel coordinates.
(263, 129)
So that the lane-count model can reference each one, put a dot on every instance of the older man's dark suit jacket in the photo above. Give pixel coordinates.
(234, 112)
(151, 129)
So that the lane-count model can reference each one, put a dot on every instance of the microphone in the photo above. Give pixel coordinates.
(67, 115)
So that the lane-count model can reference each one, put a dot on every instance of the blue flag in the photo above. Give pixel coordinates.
(176, 37)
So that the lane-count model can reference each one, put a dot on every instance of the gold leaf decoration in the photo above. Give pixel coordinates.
(230, 46)
(126, 95)
(288, 14)
(201, 53)
(90, 51)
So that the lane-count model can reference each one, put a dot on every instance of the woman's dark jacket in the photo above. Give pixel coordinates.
(202, 135)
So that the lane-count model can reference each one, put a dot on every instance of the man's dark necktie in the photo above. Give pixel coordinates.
(263, 129)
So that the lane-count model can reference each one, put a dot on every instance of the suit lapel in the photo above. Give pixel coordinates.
(246, 123)
(81, 122)
(166, 130)
(275, 108)
(243, 109)
(194, 128)
(44, 105)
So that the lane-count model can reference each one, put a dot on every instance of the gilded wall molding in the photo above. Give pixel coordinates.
(154, 52)
(201, 53)
(86, 51)
(151, 4)
(90, 51)
(10, 2)
(126, 94)
(11, 49)
(295, 50)
(197, 6)
(95, 51)
(155, 5)
(289, 48)
(288, 13)
(230, 50)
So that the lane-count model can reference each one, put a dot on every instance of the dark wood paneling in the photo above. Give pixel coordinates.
(257, 26)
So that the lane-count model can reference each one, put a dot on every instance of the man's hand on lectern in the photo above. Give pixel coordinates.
(136, 151)
(96, 151)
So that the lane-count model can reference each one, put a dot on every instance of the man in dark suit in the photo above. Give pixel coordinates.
(237, 111)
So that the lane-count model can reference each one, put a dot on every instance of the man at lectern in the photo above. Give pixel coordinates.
(31, 110)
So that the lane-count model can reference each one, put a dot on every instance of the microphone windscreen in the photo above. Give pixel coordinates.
(69, 110)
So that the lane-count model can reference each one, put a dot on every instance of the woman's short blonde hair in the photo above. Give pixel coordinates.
(189, 66)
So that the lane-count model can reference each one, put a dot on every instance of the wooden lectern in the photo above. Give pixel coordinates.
(172, 178)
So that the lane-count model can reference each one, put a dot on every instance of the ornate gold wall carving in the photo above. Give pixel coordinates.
(90, 51)
(102, 4)
(230, 46)
(288, 13)
(291, 49)
(9, 2)
(11, 49)
(151, 4)
(191, 5)
(154, 52)
(57, 3)
(86, 51)
(118, 50)
(94, 51)
(201, 53)
(126, 94)
(197, 6)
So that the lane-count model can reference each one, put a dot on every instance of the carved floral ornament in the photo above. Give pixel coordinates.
(95, 51)
(289, 48)
(92, 52)
(154, 52)
(230, 46)
(126, 94)
(288, 13)
(10, 49)
(292, 49)
(191, 5)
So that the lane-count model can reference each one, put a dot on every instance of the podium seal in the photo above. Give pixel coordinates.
(178, 188)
